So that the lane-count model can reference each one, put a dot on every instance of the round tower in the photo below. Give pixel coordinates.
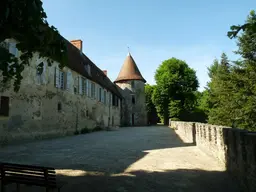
(132, 86)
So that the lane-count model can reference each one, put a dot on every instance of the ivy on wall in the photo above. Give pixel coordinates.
(25, 21)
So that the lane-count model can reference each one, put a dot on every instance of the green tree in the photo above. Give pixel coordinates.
(174, 93)
(25, 21)
(221, 90)
(250, 25)
(151, 109)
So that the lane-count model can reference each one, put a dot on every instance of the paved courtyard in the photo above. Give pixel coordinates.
(140, 159)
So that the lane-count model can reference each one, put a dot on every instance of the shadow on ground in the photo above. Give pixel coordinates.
(98, 162)
(141, 181)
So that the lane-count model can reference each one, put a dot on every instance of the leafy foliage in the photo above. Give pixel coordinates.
(174, 92)
(25, 21)
(250, 25)
(230, 96)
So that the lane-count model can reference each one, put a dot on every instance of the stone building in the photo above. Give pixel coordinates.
(132, 86)
(60, 102)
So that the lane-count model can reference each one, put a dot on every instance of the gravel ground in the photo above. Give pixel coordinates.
(129, 159)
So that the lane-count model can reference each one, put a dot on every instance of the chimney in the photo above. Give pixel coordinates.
(105, 72)
(78, 44)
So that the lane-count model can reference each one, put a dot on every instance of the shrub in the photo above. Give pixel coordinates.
(85, 130)
(97, 128)
(76, 132)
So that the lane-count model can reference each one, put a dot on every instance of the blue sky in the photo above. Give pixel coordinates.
(190, 30)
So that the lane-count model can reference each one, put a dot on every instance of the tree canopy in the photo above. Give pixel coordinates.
(231, 92)
(25, 21)
(174, 92)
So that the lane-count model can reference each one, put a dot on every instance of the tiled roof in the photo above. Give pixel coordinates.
(129, 71)
(77, 62)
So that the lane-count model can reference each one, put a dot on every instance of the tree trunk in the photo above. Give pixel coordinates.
(166, 117)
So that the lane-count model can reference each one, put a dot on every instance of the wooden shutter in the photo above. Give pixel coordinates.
(4, 107)
(105, 97)
(80, 84)
(99, 93)
(68, 80)
(89, 87)
(57, 77)
(61, 80)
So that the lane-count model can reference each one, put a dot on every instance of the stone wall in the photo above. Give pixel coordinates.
(234, 148)
(185, 130)
(40, 110)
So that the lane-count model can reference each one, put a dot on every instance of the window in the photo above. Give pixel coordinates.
(80, 85)
(59, 107)
(59, 78)
(4, 106)
(69, 79)
(87, 113)
(105, 97)
(88, 87)
(133, 99)
(100, 94)
(93, 90)
(115, 100)
(110, 98)
(84, 83)
(132, 84)
(76, 85)
(83, 86)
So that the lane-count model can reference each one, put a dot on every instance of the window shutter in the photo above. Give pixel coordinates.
(80, 85)
(92, 96)
(44, 74)
(68, 82)
(84, 86)
(105, 97)
(61, 79)
(89, 87)
(99, 93)
(57, 77)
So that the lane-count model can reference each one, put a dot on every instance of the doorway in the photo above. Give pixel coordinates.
(133, 119)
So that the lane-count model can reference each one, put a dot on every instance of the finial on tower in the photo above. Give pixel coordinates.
(128, 50)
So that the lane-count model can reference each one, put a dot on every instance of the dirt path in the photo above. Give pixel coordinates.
(130, 159)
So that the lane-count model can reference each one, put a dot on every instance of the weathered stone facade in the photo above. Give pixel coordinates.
(134, 104)
(57, 102)
(41, 110)
(234, 148)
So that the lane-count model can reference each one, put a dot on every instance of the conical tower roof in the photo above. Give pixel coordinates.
(129, 71)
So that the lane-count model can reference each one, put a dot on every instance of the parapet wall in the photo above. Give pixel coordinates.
(234, 148)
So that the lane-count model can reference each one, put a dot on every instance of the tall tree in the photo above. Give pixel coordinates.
(174, 92)
(25, 21)
(220, 89)
(248, 26)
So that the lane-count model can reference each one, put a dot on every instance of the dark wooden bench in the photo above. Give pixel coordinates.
(29, 175)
